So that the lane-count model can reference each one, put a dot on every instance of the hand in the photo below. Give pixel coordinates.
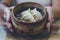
(49, 10)
(8, 21)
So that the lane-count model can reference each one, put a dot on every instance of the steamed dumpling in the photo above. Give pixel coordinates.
(31, 15)
(25, 13)
(36, 14)
(27, 16)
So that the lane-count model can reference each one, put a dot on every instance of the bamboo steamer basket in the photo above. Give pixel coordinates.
(32, 28)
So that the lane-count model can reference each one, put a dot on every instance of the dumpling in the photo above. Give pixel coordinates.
(31, 15)
(27, 16)
(39, 16)
(36, 14)
(25, 13)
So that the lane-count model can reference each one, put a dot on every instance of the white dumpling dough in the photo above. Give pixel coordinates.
(31, 15)
(26, 15)
(36, 14)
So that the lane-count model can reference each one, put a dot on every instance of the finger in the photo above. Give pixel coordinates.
(49, 10)
(9, 26)
(48, 27)
(10, 13)
(9, 19)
